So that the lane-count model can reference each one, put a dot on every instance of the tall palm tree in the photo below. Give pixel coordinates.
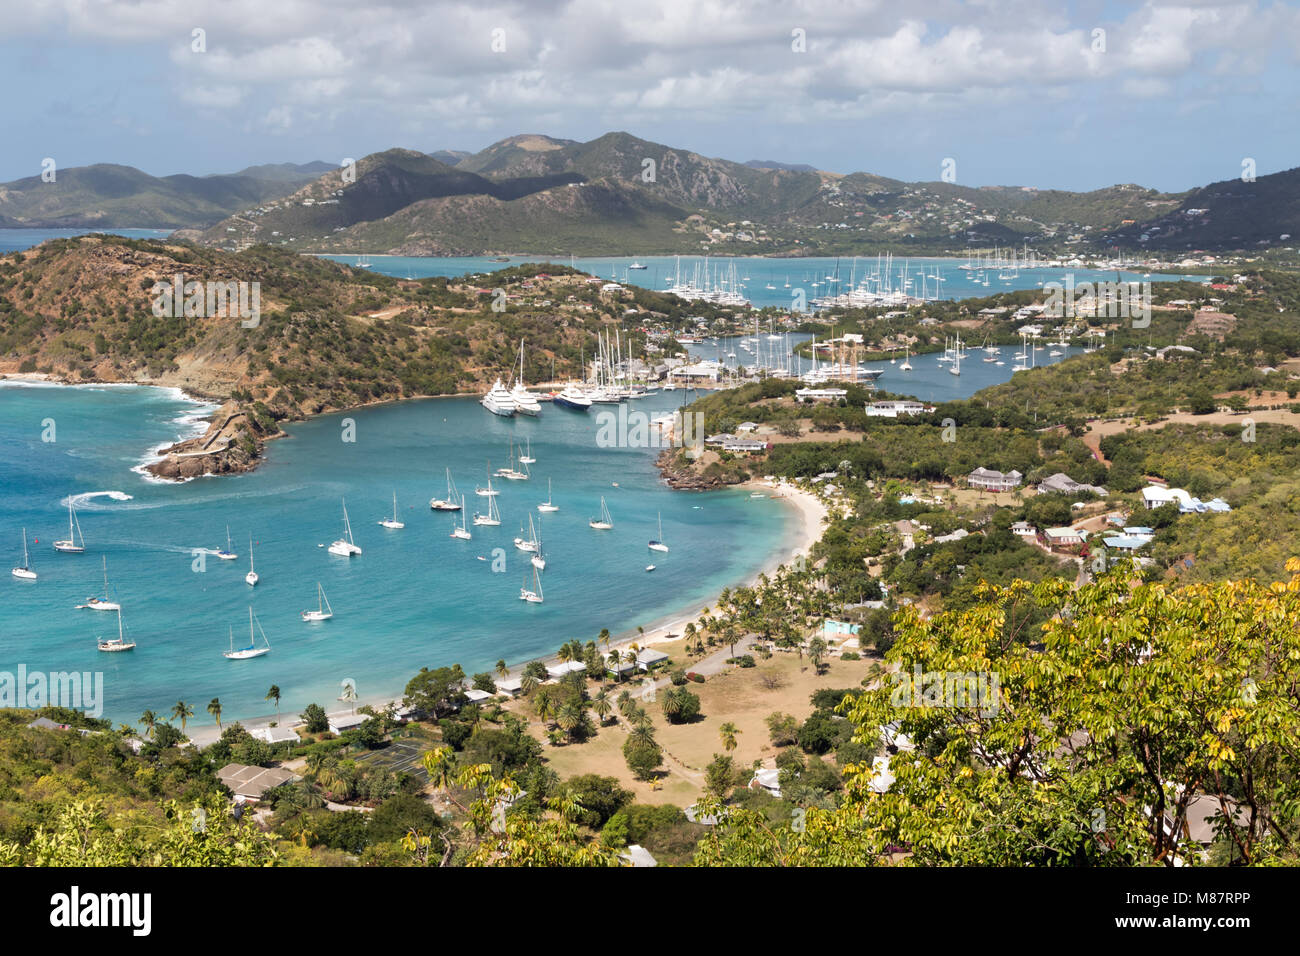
(728, 732)
(625, 703)
(214, 708)
(643, 732)
(182, 712)
(601, 705)
(502, 670)
(614, 659)
(528, 684)
(566, 654)
(349, 695)
(274, 694)
(603, 637)
(150, 721)
(568, 719)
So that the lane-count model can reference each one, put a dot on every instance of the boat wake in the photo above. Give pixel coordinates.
(82, 501)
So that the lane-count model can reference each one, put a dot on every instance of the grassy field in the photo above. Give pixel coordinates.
(743, 696)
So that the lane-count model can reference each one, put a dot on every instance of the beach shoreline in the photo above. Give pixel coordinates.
(806, 531)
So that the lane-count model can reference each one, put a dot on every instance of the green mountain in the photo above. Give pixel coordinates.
(1230, 214)
(108, 196)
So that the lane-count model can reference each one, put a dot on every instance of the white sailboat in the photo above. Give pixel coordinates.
(493, 518)
(489, 491)
(323, 610)
(460, 531)
(116, 644)
(956, 359)
(525, 401)
(528, 544)
(251, 577)
(538, 559)
(101, 604)
(512, 473)
(906, 366)
(546, 507)
(71, 546)
(252, 650)
(605, 522)
(24, 570)
(657, 544)
(533, 595)
(345, 547)
(392, 523)
(228, 554)
(451, 502)
(527, 457)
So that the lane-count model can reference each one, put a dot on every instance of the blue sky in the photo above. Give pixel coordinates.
(1016, 92)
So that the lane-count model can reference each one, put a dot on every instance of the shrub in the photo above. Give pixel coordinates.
(697, 678)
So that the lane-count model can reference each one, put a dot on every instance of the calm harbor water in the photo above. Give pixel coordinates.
(415, 597)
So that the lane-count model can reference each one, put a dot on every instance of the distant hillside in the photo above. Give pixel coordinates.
(772, 164)
(328, 337)
(107, 196)
(1229, 214)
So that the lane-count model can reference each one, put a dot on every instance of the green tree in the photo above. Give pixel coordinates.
(182, 711)
(728, 732)
(274, 694)
(214, 708)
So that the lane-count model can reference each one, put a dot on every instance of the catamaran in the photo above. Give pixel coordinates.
(112, 645)
(71, 546)
(451, 502)
(547, 507)
(323, 610)
(252, 650)
(228, 554)
(657, 544)
(101, 604)
(392, 523)
(493, 518)
(345, 547)
(460, 531)
(24, 570)
(498, 400)
(605, 522)
(533, 596)
(251, 577)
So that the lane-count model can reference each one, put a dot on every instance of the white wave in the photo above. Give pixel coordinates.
(83, 500)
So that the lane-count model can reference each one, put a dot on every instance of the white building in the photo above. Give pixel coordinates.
(990, 480)
(894, 409)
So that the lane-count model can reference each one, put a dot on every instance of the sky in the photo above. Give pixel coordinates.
(1077, 95)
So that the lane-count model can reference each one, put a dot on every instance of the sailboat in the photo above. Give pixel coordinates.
(345, 547)
(460, 531)
(956, 360)
(116, 644)
(533, 596)
(512, 473)
(450, 503)
(527, 457)
(101, 604)
(24, 570)
(74, 534)
(547, 507)
(528, 544)
(657, 544)
(392, 523)
(252, 650)
(228, 554)
(538, 560)
(489, 491)
(251, 577)
(525, 401)
(605, 522)
(493, 518)
(906, 366)
(323, 610)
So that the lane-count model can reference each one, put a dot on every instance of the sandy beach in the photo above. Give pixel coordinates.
(807, 530)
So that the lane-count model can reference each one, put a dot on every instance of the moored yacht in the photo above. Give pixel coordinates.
(573, 396)
(498, 400)
(345, 547)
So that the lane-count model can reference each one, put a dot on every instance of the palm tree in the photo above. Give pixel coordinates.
(603, 637)
(643, 732)
(601, 706)
(568, 719)
(528, 684)
(614, 659)
(566, 654)
(150, 721)
(274, 694)
(502, 670)
(728, 733)
(625, 703)
(182, 712)
(214, 708)
(349, 695)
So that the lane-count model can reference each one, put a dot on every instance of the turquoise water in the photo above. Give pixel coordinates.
(15, 240)
(415, 597)
(929, 380)
(660, 271)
